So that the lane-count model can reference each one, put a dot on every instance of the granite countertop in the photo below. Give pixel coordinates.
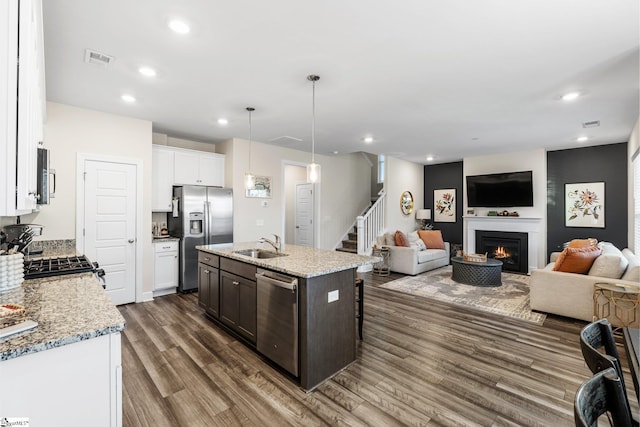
(67, 309)
(300, 261)
(164, 239)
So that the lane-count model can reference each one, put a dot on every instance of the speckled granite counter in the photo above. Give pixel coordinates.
(300, 261)
(68, 309)
(165, 239)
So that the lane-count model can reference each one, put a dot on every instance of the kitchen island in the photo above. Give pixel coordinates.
(325, 319)
(66, 371)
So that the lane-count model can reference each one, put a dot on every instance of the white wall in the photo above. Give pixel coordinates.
(71, 130)
(632, 148)
(293, 175)
(400, 176)
(536, 161)
(163, 139)
(343, 192)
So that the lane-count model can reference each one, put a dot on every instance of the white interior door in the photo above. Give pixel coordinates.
(304, 215)
(110, 224)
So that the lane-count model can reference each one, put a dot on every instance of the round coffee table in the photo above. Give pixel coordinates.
(477, 273)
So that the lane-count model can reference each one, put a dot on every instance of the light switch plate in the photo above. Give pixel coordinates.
(259, 222)
(333, 296)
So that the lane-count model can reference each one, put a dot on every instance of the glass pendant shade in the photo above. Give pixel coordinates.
(313, 173)
(313, 169)
(249, 181)
(249, 178)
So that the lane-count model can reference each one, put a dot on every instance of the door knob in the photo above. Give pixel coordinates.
(131, 240)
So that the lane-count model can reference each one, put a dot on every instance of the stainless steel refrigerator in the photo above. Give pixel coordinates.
(201, 216)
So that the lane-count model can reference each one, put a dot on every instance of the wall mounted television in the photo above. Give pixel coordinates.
(500, 190)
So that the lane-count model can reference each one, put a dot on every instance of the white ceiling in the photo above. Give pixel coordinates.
(451, 79)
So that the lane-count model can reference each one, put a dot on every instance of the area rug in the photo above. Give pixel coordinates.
(510, 299)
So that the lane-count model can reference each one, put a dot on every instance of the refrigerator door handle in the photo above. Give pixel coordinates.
(207, 223)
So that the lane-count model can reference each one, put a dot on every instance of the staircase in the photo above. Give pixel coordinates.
(366, 228)
(350, 244)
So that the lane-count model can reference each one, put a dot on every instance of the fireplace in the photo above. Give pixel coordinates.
(509, 247)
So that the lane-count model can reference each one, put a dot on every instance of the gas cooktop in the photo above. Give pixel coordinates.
(47, 267)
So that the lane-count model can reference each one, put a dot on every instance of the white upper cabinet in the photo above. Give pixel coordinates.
(177, 166)
(21, 122)
(211, 169)
(162, 179)
(198, 168)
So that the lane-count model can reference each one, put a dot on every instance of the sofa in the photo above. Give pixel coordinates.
(415, 258)
(571, 294)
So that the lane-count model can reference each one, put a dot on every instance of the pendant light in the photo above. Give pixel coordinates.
(313, 169)
(249, 178)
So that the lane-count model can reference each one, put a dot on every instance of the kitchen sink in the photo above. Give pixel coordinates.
(259, 253)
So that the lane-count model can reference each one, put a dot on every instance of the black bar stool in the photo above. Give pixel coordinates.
(360, 301)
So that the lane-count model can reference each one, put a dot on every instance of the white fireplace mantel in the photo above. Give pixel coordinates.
(532, 226)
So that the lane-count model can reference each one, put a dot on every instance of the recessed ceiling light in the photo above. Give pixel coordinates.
(147, 71)
(429, 158)
(336, 152)
(223, 121)
(368, 139)
(570, 96)
(128, 98)
(582, 139)
(179, 27)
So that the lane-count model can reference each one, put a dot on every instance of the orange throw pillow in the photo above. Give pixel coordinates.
(577, 260)
(432, 238)
(582, 243)
(401, 239)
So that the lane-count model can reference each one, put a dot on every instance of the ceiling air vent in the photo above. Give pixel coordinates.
(97, 58)
(286, 141)
(591, 124)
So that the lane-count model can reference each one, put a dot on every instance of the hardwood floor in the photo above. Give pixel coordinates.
(421, 363)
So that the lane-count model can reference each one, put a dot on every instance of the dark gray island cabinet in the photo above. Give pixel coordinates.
(326, 318)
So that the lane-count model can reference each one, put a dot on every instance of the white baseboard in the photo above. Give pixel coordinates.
(365, 268)
(146, 297)
(163, 292)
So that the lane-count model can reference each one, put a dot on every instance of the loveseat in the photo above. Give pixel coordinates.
(415, 258)
(571, 294)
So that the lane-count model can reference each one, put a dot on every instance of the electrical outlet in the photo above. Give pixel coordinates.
(333, 296)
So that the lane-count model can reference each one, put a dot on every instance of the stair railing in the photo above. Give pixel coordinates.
(371, 225)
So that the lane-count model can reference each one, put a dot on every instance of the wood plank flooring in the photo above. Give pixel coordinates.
(421, 363)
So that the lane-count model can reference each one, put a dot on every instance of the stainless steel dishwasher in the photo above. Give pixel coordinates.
(277, 328)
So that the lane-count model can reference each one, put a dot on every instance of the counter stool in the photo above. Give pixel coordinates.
(360, 301)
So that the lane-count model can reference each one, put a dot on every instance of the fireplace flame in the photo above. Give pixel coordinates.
(501, 252)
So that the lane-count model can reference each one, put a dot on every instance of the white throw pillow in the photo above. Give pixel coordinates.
(391, 239)
(420, 245)
(413, 237)
(611, 263)
(632, 272)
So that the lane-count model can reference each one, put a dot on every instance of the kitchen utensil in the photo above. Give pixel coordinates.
(14, 231)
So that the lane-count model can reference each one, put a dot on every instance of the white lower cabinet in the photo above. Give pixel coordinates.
(165, 268)
(75, 385)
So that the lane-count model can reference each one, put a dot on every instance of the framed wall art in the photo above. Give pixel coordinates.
(444, 205)
(584, 204)
(262, 188)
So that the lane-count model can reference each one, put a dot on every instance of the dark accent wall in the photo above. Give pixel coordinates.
(603, 163)
(443, 176)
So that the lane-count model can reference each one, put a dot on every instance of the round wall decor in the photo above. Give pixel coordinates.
(406, 202)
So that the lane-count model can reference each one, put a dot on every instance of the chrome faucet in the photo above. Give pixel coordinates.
(277, 245)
